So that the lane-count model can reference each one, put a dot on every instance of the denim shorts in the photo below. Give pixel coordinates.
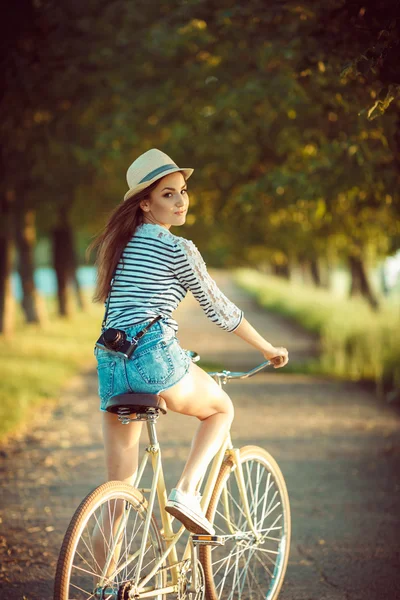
(157, 364)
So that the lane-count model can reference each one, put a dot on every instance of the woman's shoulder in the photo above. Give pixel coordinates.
(154, 232)
(186, 246)
(162, 235)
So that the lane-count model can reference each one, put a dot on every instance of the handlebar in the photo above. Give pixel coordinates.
(224, 376)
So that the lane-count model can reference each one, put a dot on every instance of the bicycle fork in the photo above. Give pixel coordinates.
(235, 454)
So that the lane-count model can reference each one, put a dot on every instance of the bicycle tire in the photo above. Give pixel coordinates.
(77, 566)
(244, 567)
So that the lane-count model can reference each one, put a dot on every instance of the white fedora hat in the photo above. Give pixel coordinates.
(149, 167)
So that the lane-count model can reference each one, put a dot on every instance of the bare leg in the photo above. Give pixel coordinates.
(121, 444)
(197, 394)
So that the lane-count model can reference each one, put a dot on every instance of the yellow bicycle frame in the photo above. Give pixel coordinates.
(170, 538)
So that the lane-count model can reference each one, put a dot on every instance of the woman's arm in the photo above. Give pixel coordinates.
(192, 273)
(278, 356)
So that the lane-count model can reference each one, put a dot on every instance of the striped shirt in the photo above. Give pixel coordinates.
(153, 275)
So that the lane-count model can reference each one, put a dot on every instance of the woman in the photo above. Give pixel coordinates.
(153, 269)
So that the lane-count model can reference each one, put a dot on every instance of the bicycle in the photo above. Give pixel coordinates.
(244, 496)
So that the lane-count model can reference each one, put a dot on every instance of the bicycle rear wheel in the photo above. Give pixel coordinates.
(103, 542)
(250, 565)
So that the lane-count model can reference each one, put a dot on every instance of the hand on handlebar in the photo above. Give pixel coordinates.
(279, 357)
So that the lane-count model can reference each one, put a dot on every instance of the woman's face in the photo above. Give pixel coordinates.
(168, 202)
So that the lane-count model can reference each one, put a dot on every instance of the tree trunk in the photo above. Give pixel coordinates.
(7, 304)
(281, 270)
(62, 267)
(359, 281)
(324, 271)
(26, 239)
(78, 290)
(64, 261)
(315, 271)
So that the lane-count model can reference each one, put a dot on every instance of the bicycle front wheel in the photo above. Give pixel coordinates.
(100, 551)
(253, 561)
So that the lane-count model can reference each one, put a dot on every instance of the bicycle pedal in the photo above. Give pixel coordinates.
(208, 540)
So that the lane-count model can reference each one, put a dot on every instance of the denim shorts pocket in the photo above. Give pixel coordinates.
(105, 373)
(155, 364)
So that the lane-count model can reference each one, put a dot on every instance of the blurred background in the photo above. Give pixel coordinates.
(289, 112)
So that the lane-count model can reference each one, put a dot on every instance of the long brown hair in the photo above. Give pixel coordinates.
(113, 238)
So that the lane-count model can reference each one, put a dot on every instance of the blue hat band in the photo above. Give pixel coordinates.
(157, 172)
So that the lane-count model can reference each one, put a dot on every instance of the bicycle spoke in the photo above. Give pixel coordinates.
(235, 574)
(252, 500)
(222, 560)
(227, 569)
(105, 545)
(263, 563)
(268, 487)
(263, 499)
(267, 552)
(245, 571)
(273, 539)
(244, 575)
(91, 553)
(123, 556)
(242, 569)
(272, 526)
(236, 502)
(259, 479)
(83, 570)
(255, 580)
(84, 591)
(100, 529)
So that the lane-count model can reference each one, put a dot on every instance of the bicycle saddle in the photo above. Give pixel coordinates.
(136, 403)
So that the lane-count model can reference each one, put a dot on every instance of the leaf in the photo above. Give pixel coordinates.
(385, 98)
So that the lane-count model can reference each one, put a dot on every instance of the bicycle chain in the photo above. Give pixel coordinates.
(123, 592)
(184, 582)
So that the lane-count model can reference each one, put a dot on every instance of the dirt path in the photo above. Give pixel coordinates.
(338, 448)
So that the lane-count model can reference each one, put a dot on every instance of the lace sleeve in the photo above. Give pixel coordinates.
(192, 273)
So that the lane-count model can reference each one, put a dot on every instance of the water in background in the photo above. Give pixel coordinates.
(386, 276)
(46, 281)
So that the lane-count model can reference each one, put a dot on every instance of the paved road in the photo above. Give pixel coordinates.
(338, 447)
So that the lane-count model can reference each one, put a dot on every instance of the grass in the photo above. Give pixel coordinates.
(357, 343)
(36, 362)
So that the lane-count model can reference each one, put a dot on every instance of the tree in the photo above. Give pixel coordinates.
(288, 166)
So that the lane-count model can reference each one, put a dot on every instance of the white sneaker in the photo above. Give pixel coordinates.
(186, 508)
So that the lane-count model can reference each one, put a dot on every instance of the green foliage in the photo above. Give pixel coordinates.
(254, 97)
(356, 343)
(372, 31)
